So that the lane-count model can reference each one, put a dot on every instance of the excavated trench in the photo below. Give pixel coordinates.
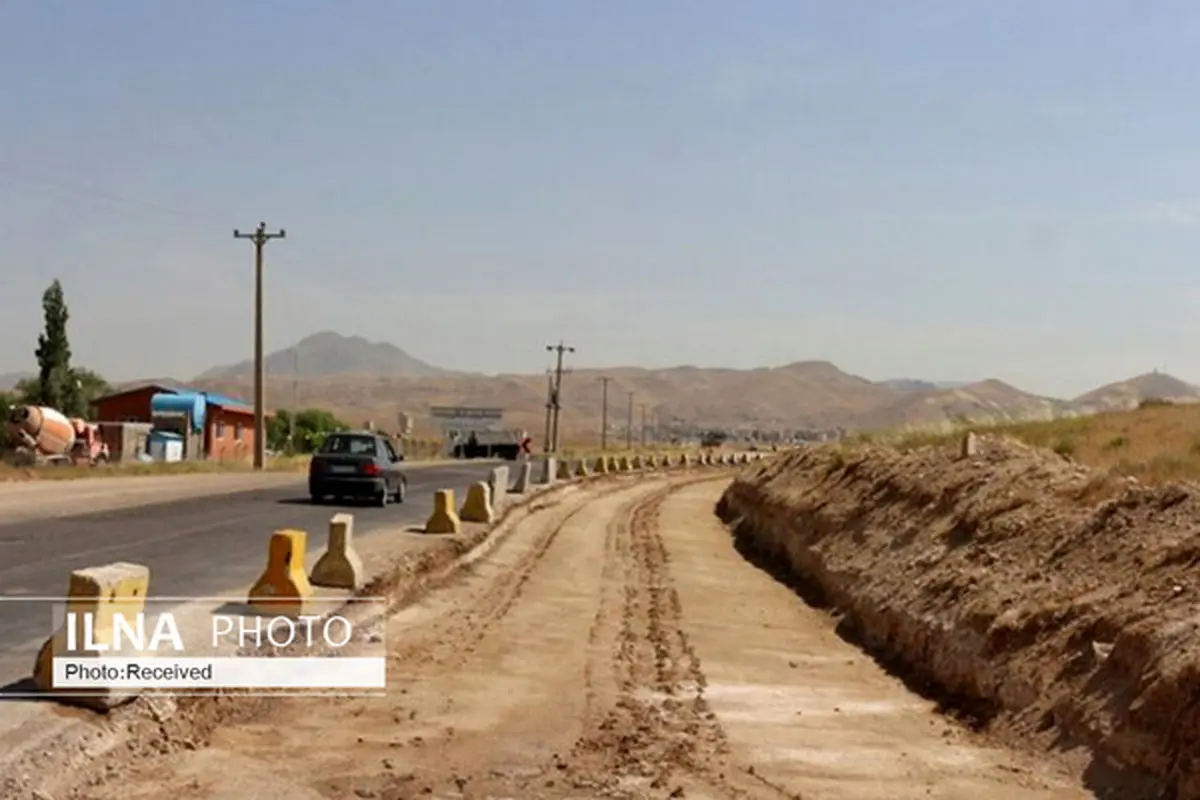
(999, 586)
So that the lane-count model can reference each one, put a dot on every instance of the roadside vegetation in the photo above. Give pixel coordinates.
(1157, 442)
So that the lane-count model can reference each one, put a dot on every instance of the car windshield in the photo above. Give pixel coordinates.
(349, 445)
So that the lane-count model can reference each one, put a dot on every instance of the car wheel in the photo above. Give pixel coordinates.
(401, 491)
(383, 497)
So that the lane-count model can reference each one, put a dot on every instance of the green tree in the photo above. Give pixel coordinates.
(278, 428)
(56, 384)
(6, 404)
(312, 426)
(88, 384)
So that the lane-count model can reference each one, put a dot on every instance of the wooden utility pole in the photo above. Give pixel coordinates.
(295, 400)
(629, 425)
(556, 397)
(260, 237)
(604, 414)
(549, 409)
(643, 425)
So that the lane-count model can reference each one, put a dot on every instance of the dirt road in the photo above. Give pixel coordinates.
(614, 645)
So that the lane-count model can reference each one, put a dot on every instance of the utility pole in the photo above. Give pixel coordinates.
(556, 395)
(604, 414)
(260, 237)
(629, 425)
(643, 425)
(295, 400)
(549, 409)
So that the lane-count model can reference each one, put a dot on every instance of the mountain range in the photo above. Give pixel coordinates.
(372, 381)
(363, 381)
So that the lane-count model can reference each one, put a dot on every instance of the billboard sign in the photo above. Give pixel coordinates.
(458, 413)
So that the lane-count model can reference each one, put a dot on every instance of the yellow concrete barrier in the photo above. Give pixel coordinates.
(283, 586)
(478, 506)
(340, 566)
(444, 519)
(602, 465)
(99, 595)
(581, 469)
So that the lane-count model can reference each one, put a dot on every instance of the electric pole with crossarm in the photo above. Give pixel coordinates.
(604, 413)
(556, 398)
(260, 237)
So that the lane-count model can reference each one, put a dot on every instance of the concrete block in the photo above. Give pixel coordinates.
(685, 461)
(564, 470)
(283, 586)
(444, 518)
(548, 472)
(524, 478)
(477, 507)
(623, 464)
(601, 467)
(612, 463)
(639, 462)
(498, 487)
(651, 461)
(340, 566)
(101, 595)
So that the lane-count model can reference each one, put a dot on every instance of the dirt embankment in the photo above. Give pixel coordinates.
(1048, 602)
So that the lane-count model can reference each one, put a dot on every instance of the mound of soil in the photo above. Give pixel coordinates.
(1042, 600)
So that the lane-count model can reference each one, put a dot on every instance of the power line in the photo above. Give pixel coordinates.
(48, 182)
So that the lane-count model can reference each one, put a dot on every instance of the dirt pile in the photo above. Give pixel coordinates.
(1044, 600)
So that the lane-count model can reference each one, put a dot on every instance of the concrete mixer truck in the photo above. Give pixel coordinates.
(47, 436)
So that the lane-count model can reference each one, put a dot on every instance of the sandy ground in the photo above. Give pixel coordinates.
(613, 645)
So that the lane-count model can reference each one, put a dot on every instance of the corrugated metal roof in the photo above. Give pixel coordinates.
(213, 399)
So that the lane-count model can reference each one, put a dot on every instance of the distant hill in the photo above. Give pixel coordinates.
(989, 401)
(9, 380)
(363, 381)
(915, 385)
(329, 353)
(1129, 393)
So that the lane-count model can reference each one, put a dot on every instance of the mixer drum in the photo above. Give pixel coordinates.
(53, 432)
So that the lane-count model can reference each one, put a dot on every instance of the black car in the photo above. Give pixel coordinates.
(360, 465)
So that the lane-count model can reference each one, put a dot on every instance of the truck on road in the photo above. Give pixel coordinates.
(45, 435)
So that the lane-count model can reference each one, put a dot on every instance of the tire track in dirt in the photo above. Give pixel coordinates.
(465, 621)
(492, 678)
(660, 738)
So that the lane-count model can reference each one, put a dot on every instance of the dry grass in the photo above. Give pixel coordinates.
(1156, 443)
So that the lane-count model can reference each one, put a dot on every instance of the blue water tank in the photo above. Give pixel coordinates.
(191, 403)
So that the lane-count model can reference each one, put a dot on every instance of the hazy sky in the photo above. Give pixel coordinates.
(947, 190)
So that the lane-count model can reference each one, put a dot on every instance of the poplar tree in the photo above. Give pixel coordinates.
(56, 383)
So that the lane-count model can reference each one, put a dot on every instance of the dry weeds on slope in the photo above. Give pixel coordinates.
(1050, 603)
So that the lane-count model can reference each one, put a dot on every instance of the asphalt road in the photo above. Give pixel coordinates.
(206, 546)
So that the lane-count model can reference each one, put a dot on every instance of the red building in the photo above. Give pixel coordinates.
(228, 422)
